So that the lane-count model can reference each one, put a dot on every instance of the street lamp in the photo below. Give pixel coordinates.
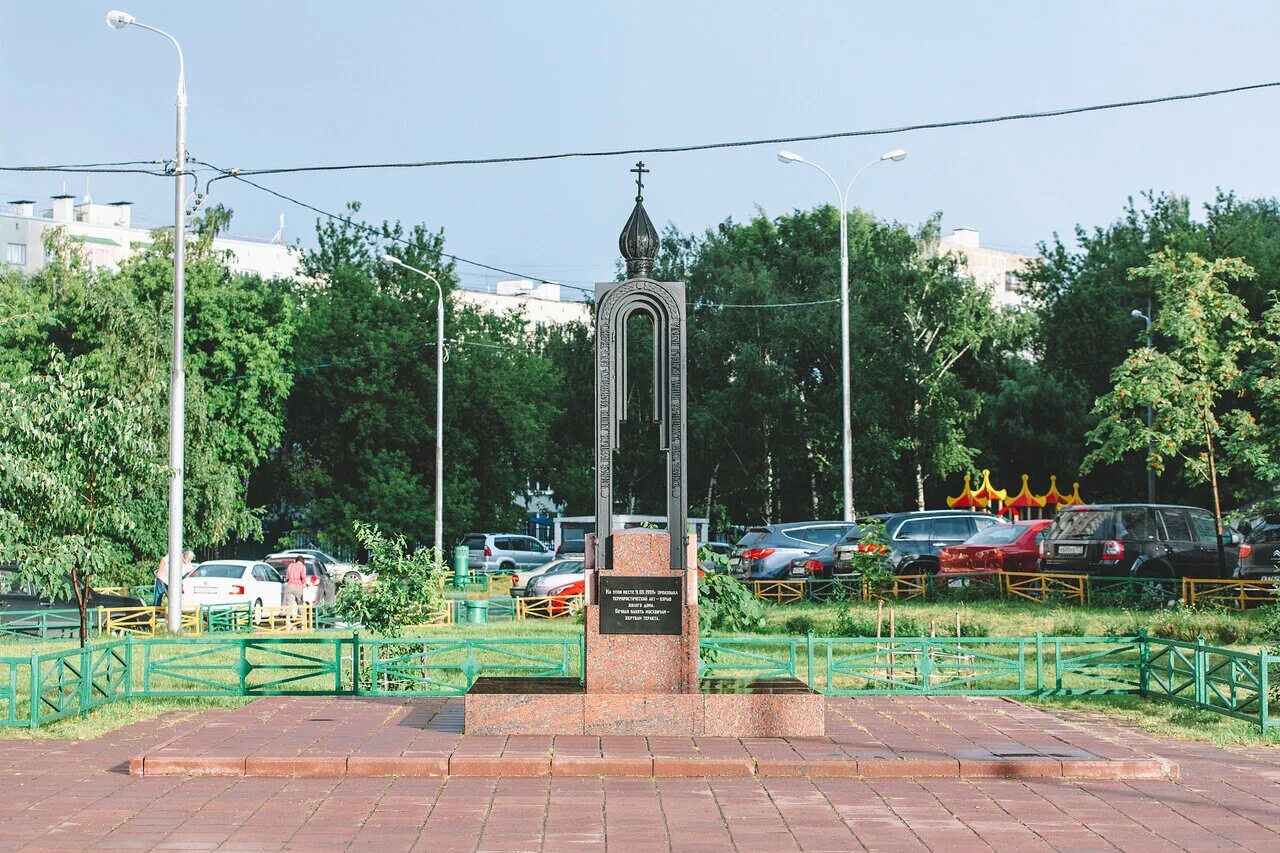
(118, 20)
(1151, 475)
(895, 156)
(392, 260)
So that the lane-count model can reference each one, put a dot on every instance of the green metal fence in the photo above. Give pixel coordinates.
(49, 686)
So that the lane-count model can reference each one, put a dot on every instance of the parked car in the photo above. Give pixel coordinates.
(234, 582)
(571, 547)
(997, 548)
(821, 565)
(551, 580)
(520, 581)
(1260, 552)
(719, 549)
(917, 538)
(17, 597)
(319, 586)
(505, 552)
(765, 552)
(341, 572)
(1137, 540)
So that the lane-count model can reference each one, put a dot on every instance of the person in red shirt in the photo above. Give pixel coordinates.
(295, 575)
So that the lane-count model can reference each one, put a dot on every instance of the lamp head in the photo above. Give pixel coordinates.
(789, 157)
(118, 20)
(392, 260)
(897, 155)
(1137, 315)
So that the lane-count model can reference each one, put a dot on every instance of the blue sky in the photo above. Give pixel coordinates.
(287, 83)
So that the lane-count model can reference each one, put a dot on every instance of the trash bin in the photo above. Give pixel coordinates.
(478, 611)
(461, 567)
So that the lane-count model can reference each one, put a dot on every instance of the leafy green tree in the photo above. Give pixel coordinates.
(1189, 381)
(75, 461)
(407, 590)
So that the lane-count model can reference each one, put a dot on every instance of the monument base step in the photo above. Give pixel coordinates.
(722, 707)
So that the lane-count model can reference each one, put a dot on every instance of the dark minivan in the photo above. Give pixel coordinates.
(1138, 540)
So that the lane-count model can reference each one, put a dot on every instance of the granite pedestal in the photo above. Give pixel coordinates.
(643, 683)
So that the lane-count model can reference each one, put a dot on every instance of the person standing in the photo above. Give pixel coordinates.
(294, 577)
(162, 580)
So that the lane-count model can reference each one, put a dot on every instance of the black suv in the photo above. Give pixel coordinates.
(916, 538)
(1260, 553)
(1138, 540)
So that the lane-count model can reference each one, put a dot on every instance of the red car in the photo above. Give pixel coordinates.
(561, 596)
(998, 548)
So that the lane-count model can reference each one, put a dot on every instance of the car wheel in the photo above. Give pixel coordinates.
(351, 577)
(1157, 584)
(507, 567)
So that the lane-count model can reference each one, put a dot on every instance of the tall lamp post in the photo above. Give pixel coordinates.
(1151, 475)
(177, 379)
(392, 260)
(895, 156)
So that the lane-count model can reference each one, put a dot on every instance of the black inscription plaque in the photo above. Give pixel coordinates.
(631, 605)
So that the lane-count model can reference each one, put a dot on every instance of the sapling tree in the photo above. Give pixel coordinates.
(75, 460)
(1191, 379)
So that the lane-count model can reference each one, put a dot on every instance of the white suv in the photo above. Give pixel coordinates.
(505, 552)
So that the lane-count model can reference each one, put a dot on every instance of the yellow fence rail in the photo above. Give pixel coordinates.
(142, 621)
(779, 591)
(1228, 593)
(547, 607)
(1044, 588)
(903, 588)
(289, 617)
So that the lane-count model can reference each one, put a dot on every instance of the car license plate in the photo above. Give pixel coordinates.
(1070, 549)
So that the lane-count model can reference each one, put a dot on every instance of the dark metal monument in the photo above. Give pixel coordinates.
(641, 662)
(616, 304)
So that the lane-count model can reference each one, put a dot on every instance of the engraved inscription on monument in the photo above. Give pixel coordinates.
(641, 605)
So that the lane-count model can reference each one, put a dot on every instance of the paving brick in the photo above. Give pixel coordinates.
(193, 765)
(908, 768)
(600, 766)
(326, 767)
(1011, 768)
(497, 766)
(663, 767)
(401, 765)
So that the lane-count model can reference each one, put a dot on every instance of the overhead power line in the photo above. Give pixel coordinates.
(364, 226)
(745, 143)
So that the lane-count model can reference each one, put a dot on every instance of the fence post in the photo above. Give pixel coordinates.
(808, 672)
(1039, 662)
(1201, 669)
(128, 666)
(355, 663)
(1264, 661)
(102, 623)
(86, 679)
(1144, 663)
(35, 690)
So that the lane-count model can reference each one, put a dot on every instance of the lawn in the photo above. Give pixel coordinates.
(1233, 629)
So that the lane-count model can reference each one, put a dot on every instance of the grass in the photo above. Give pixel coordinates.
(1232, 629)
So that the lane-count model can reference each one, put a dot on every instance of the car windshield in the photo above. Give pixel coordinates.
(997, 534)
(566, 566)
(218, 570)
(1079, 524)
(752, 536)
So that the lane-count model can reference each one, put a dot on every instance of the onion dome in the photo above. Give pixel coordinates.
(638, 241)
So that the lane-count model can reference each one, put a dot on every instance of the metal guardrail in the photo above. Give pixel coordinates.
(46, 687)
(547, 607)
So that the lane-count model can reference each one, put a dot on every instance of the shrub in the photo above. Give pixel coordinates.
(725, 604)
(406, 591)
(860, 623)
(800, 625)
(1073, 625)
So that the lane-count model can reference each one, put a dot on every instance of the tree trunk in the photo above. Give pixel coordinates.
(82, 604)
(919, 486)
(711, 490)
(1217, 502)
(915, 444)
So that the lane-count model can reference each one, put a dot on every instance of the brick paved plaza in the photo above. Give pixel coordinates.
(61, 795)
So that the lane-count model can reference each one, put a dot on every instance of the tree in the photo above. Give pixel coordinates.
(75, 461)
(408, 589)
(1204, 329)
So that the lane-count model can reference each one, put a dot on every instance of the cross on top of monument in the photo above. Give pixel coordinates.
(640, 171)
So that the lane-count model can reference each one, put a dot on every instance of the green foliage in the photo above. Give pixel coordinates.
(869, 560)
(75, 460)
(802, 625)
(407, 588)
(861, 622)
(725, 604)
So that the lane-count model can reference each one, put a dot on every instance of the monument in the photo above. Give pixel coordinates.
(641, 665)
